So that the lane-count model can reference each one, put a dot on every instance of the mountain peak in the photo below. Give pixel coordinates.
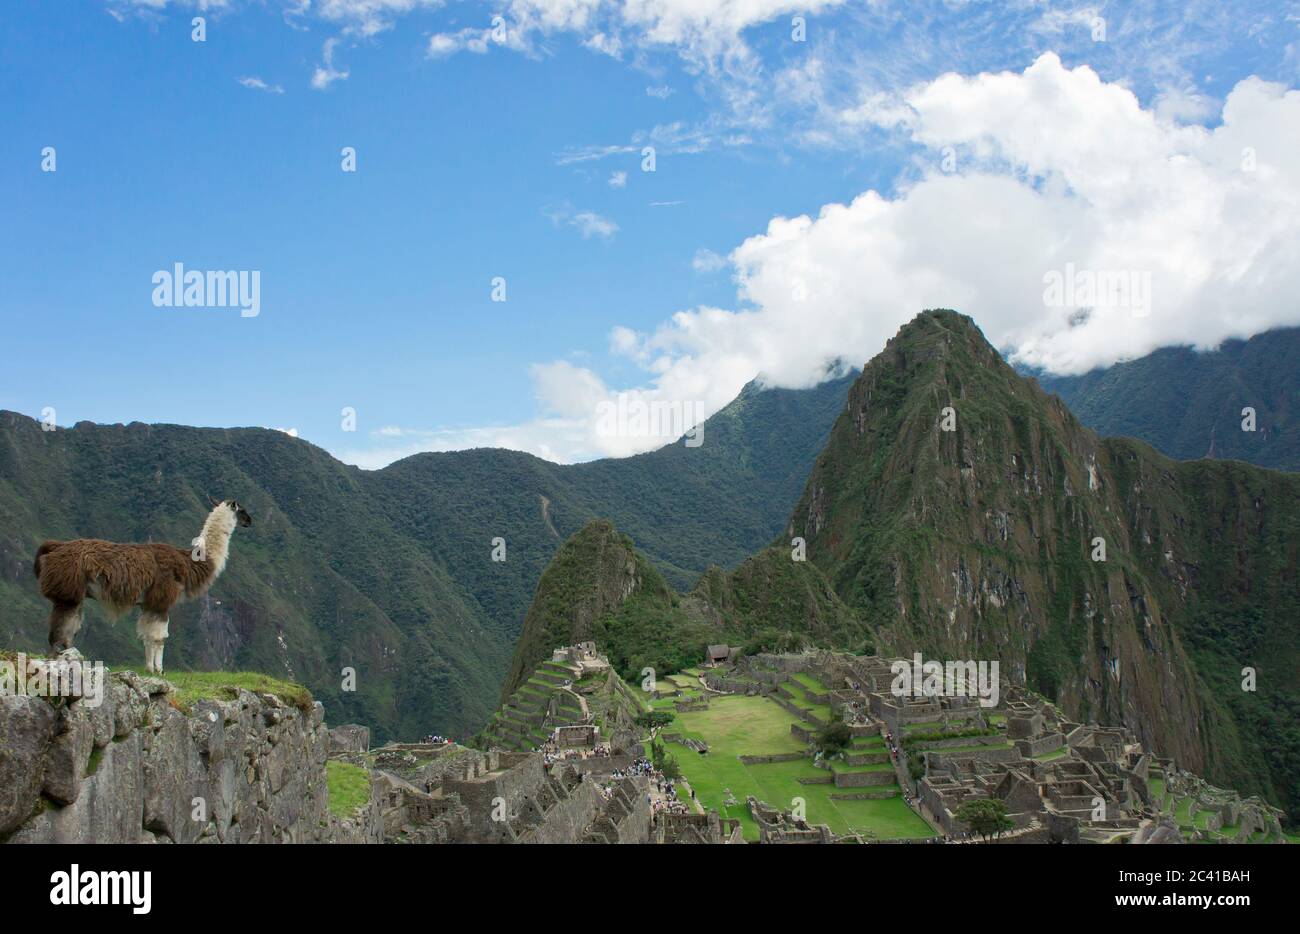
(967, 515)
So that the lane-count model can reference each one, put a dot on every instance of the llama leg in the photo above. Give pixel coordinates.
(159, 645)
(65, 620)
(152, 630)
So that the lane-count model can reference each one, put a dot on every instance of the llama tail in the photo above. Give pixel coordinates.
(41, 552)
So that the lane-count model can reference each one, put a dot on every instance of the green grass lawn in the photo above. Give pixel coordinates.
(1157, 788)
(349, 787)
(735, 725)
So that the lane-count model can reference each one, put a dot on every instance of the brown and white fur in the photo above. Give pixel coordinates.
(153, 577)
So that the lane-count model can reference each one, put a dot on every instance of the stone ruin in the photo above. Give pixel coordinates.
(582, 655)
(565, 702)
(707, 828)
(777, 826)
(452, 794)
(1061, 781)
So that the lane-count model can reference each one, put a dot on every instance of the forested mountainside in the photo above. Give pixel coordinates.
(1189, 405)
(388, 572)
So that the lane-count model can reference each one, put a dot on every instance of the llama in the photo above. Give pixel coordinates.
(153, 577)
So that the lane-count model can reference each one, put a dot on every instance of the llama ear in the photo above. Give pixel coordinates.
(214, 503)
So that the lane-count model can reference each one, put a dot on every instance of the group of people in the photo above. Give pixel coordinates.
(553, 753)
(433, 739)
(666, 801)
(642, 766)
(668, 805)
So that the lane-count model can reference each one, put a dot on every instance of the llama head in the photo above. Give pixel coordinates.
(242, 517)
(241, 514)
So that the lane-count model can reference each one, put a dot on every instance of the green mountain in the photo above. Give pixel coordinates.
(387, 572)
(600, 588)
(1189, 404)
(980, 542)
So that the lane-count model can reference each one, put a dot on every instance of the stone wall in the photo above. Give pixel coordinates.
(863, 779)
(138, 769)
(776, 757)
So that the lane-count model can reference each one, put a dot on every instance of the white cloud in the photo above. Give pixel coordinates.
(1053, 167)
(706, 260)
(326, 74)
(663, 92)
(618, 180)
(592, 153)
(1063, 169)
(591, 224)
(367, 17)
(606, 45)
(588, 223)
(257, 84)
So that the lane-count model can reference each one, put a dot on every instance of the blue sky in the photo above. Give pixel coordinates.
(519, 154)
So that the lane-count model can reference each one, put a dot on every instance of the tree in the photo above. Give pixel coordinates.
(986, 816)
(835, 738)
(654, 718)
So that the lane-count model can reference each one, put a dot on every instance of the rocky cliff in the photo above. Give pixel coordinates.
(141, 768)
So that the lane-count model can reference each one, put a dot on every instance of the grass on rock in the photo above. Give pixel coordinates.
(349, 787)
(193, 686)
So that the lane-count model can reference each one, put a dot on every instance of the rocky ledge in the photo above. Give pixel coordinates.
(140, 768)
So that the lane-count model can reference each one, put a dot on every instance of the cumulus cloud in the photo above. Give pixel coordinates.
(618, 180)
(1049, 170)
(1053, 170)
